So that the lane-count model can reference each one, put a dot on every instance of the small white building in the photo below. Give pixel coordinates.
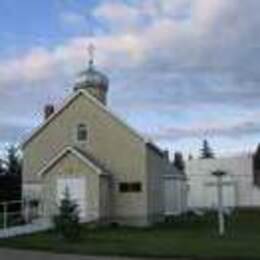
(239, 189)
(175, 192)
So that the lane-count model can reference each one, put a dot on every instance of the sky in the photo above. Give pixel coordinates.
(180, 70)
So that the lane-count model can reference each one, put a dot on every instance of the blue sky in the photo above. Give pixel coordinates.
(180, 70)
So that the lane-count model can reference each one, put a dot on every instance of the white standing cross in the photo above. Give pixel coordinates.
(221, 219)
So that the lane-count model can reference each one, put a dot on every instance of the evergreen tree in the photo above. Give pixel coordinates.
(14, 163)
(256, 166)
(10, 182)
(2, 168)
(66, 222)
(257, 157)
(178, 161)
(206, 151)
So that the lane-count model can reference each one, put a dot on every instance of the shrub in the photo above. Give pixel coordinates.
(66, 222)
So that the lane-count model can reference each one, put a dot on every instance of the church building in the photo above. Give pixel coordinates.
(112, 172)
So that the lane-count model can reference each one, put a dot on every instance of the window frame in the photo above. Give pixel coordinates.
(77, 133)
(136, 187)
(123, 187)
(130, 187)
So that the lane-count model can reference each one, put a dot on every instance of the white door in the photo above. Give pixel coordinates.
(77, 191)
(172, 196)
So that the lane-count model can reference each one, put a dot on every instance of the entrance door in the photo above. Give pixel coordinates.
(77, 191)
(173, 197)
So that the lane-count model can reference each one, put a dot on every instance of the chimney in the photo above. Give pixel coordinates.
(166, 155)
(48, 111)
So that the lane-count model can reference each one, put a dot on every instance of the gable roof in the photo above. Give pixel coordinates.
(77, 154)
(69, 101)
(94, 160)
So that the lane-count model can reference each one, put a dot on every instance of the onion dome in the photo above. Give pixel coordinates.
(92, 80)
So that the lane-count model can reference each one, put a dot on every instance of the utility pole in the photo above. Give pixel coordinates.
(221, 218)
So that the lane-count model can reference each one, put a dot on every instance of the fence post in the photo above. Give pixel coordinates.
(5, 215)
(27, 213)
(39, 209)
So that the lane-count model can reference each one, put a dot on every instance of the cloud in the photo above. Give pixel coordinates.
(119, 15)
(67, 59)
(13, 128)
(172, 57)
(208, 45)
(215, 29)
(36, 65)
(230, 131)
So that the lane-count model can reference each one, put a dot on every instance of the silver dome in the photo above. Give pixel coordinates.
(92, 78)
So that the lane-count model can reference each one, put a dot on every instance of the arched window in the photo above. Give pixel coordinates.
(82, 133)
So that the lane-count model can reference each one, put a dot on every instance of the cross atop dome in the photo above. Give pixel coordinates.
(92, 80)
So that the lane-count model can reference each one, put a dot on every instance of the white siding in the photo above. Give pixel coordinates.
(229, 200)
(175, 195)
(238, 188)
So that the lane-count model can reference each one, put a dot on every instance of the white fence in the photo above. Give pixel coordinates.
(37, 226)
(21, 217)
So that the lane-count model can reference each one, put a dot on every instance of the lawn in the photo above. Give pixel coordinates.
(188, 236)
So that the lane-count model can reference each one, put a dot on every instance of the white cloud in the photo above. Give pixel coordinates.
(69, 58)
(36, 65)
(119, 15)
(230, 130)
(165, 54)
(210, 42)
(213, 30)
(175, 9)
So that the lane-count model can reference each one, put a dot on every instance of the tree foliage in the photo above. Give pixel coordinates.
(14, 162)
(67, 222)
(11, 174)
(2, 168)
(206, 150)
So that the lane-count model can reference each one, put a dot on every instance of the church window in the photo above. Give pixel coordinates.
(123, 187)
(82, 133)
(130, 187)
(136, 186)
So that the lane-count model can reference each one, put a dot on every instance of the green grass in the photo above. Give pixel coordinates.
(186, 237)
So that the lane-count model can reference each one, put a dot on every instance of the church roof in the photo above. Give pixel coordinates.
(69, 101)
(149, 143)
